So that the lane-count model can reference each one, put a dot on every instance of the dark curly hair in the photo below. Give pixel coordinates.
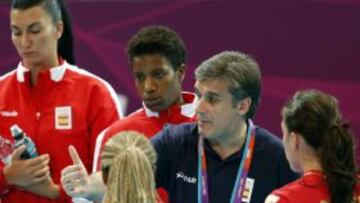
(158, 40)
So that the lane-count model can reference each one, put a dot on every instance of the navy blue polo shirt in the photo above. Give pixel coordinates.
(177, 166)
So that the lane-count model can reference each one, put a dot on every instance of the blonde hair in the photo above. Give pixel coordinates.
(128, 165)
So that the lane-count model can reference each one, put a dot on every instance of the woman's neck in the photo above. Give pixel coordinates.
(36, 68)
(311, 163)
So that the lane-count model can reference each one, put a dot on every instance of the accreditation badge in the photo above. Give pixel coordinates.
(248, 189)
(63, 118)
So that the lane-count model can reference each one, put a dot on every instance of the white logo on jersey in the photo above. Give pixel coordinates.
(181, 175)
(9, 113)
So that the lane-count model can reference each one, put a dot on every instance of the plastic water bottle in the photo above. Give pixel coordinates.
(20, 138)
(6, 149)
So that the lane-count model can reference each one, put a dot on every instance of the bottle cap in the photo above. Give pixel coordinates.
(16, 131)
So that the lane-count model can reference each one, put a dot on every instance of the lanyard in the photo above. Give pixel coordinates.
(236, 196)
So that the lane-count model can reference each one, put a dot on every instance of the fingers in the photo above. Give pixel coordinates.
(39, 168)
(39, 161)
(74, 178)
(72, 173)
(74, 192)
(76, 184)
(75, 188)
(42, 172)
(27, 172)
(74, 156)
(41, 178)
(75, 171)
(70, 169)
(17, 152)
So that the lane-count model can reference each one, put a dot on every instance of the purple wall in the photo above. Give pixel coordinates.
(298, 43)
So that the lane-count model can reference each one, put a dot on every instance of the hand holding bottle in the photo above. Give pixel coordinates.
(20, 138)
(26, 172)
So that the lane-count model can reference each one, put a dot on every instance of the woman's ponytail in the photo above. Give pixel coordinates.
(65, 43)
(316, 117)
(337, 159)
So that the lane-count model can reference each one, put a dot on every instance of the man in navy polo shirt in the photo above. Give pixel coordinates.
(223, 157)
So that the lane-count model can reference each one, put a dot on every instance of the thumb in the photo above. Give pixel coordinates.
(75, 156)
(17, 152)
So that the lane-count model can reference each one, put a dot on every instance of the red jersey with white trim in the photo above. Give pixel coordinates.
(67, 106)
(311, 188)
(149, 123)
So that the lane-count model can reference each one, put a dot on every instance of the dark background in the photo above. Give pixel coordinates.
(299, 44)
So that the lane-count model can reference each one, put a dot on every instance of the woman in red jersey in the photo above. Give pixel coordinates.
(55, 103)
(318, 144)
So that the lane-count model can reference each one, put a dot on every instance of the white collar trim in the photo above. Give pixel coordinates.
(187, 110)
(57, 73)
(150, 113)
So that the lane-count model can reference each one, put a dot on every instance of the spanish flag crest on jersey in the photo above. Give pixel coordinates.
(63, 118)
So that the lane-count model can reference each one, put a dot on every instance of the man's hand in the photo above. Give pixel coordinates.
(74, 178)
(23, 173)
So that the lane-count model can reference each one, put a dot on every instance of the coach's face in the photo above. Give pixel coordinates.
(217, 115)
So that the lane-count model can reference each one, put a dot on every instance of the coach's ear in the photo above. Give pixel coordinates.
(243, 106)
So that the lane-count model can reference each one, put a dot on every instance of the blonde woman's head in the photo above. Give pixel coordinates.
(128, 165)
